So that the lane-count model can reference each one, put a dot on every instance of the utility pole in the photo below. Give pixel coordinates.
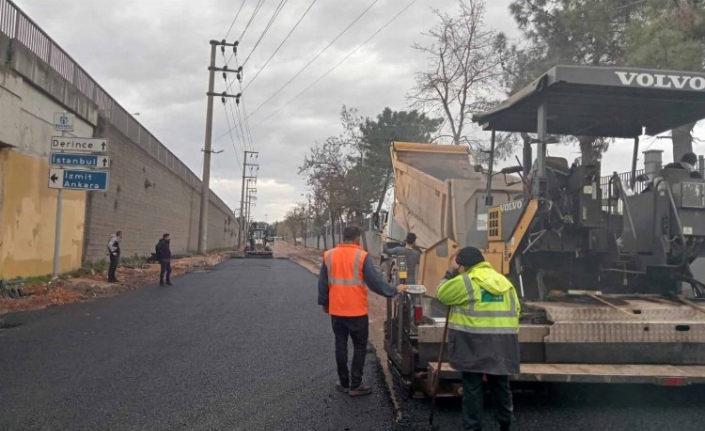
(205, 186)
(245, 204)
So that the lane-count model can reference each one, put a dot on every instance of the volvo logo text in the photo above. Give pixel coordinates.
(662, 81)
(511, 206)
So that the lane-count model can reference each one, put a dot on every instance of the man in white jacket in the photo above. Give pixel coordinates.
(114, 253)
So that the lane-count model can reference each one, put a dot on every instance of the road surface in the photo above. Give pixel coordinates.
(241, 347)
(244, 347)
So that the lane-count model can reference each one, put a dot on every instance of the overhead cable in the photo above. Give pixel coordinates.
(235, 19)
(340, 62)
(231, 136)
(279, 8)
(314, 58)
(280, 45)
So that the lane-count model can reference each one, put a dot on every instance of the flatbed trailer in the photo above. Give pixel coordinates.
(412, 348)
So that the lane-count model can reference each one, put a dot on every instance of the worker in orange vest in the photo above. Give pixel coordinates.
(346, 272)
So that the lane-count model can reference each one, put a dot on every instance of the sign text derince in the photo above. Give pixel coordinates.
(79, 144)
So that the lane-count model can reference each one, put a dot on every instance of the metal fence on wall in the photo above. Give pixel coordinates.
(18, 26)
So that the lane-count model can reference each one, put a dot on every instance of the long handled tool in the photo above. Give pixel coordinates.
(437, 375)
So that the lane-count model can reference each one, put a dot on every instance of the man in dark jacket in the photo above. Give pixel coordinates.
(114, 253)
(483, 337)
(164, 256)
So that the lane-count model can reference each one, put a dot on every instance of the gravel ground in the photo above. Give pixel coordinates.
(240, 347)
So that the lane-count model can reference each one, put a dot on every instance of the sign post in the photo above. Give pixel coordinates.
(75, 164)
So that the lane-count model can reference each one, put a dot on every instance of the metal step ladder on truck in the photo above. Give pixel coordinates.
(601, 264)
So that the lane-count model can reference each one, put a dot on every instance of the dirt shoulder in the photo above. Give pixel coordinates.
(93, 284)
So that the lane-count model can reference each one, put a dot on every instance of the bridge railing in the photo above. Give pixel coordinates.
(18, 26)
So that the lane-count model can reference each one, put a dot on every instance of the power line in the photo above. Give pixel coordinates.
(235, 19)
(243, 119)
(231, 136)
(279, 8)
(234, 106)
(340, 62)
(314, 58)
(280, 45)
(258, 6)
(247, 122)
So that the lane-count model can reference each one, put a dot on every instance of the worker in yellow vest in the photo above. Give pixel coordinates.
(483, 336)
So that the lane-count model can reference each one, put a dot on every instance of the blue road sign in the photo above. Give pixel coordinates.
(79, 159)
(78, 179)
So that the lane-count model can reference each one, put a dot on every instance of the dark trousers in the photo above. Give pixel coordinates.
(165, 269)
(357, 328)
(473, 400)
(114, 258)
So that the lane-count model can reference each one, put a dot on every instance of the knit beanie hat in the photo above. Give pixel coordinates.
(690, 158)
(469, 257)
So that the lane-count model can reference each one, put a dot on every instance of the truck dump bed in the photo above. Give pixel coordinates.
(437, 195)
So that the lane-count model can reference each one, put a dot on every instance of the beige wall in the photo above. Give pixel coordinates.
(27, 205)
(28, 219)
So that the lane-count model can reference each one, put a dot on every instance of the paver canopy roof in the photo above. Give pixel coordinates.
(602, 101)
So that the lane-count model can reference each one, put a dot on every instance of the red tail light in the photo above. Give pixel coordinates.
(674, 382)
(418, 314)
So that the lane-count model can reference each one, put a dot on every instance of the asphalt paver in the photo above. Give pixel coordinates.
(242, 346)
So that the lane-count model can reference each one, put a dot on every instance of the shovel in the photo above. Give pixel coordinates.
(437, 375)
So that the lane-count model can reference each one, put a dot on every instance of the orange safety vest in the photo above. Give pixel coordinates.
(347, 290)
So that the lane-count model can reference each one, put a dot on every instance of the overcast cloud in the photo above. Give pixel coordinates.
(152, 56)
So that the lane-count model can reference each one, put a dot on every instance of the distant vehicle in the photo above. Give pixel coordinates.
(258, 241)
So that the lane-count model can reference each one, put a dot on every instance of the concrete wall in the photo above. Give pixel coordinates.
(151, 191)
(146, 199)
(27, 205)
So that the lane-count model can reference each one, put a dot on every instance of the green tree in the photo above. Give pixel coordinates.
(376, 138)
(647, 33)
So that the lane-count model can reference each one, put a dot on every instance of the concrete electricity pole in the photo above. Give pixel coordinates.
(205, 186)
(245, 205)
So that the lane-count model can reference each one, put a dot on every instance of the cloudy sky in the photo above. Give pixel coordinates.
(152, 56)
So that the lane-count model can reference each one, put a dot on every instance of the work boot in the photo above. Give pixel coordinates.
(504, 426)
(168, 283)
(161, 283)
(360, 391)
(341, 388)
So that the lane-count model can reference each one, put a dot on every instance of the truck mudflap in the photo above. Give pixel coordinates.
(663, 375)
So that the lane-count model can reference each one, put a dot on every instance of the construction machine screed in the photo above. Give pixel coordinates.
(600, 262)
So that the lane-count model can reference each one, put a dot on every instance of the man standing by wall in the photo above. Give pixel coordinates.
(114, 253)
(483, 337)
(164, 256)
(346, 272)
(410, 251)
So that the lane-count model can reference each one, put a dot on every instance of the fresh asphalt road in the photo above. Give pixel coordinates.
(575, 407)
(241, 347)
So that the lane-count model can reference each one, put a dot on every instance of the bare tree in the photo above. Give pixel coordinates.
(465, 68)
